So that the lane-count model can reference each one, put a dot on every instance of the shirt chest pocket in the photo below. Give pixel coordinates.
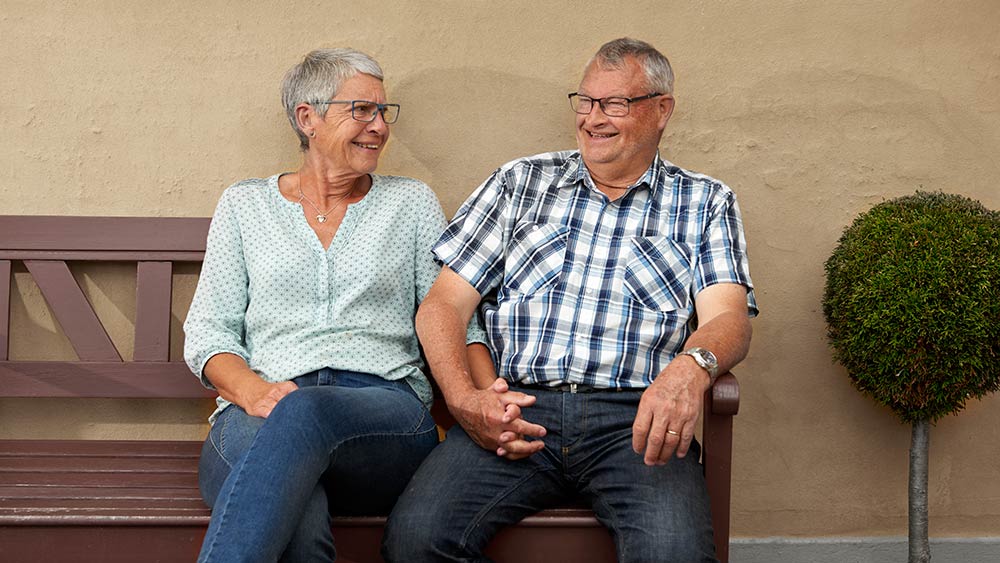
(536, 257)
(658, 273)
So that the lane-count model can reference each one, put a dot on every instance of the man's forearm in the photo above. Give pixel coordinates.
(727, 336)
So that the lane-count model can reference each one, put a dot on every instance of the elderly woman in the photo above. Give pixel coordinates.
(303, 322)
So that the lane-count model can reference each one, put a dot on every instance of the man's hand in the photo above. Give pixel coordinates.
(668, 411)
(492, 418)
(513, 445)
(261, 398)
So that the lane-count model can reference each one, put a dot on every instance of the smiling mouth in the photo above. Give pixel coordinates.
(602, 135)
(367, 146)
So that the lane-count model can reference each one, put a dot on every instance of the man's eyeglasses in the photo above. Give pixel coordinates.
(612, 107)
(365, 111)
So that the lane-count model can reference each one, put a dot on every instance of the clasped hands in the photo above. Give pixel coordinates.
(492, 418)
(664, 424)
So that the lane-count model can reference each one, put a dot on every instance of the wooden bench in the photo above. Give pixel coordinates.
(99, 500)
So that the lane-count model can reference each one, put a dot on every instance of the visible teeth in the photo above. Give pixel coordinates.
(366, 146)
(600, 136)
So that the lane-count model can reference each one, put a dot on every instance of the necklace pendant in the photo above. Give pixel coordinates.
(321, 218)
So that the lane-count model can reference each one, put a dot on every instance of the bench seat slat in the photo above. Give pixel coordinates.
(31, 493)
(72, 464)
(87, 505)
(112, 480)
(152, 518)
(83, 503)
(101, 448)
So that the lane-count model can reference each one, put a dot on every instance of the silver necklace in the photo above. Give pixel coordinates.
(321, 215)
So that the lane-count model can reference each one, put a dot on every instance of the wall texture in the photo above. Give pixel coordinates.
(811, 111)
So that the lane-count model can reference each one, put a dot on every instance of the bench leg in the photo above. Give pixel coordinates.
(718, 449)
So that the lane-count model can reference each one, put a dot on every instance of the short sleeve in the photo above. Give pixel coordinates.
(722, 257)
(473, 243)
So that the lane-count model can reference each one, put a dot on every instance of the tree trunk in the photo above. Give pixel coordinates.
(920, 549)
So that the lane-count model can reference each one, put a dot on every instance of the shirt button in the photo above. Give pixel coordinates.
(590, 291)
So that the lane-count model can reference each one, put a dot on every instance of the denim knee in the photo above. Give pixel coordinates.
(302, 404)
(678, 546)
(415, 536)
(405, 537)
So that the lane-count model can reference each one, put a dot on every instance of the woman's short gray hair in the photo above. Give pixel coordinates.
(317, 79)
(659, 75)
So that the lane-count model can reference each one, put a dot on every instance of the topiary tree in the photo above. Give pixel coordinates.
(912, 303)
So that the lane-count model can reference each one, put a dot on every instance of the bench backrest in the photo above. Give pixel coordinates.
(45, 245)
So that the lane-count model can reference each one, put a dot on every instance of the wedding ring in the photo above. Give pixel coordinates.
(672, 433)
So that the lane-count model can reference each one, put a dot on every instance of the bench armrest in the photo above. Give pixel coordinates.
(722, 402)
(725, 395)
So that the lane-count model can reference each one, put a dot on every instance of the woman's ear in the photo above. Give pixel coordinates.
(305, 117)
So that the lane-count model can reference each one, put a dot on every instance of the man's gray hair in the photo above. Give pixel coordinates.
(318, 78)
(659, 75)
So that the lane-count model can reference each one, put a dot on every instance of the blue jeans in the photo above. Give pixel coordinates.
(344, 442)
(462, 494)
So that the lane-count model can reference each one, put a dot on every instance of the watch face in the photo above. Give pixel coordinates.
(709, 357)
(705, 358)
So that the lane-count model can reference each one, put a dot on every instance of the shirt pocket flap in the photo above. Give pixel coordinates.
(536, 257)
(658, 274)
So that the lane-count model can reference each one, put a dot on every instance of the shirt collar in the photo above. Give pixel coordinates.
(575, 172)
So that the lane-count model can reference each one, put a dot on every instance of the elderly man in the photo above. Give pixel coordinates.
(615, 287)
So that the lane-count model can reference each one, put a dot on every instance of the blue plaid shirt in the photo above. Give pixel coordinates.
(581, 289)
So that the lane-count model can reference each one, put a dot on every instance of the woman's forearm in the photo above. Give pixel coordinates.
(481, 365)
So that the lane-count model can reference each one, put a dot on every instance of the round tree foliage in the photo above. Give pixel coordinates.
(912, 303)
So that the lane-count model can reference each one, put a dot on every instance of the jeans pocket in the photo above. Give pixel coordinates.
(233, 432)
(658, 274)
(536, 257)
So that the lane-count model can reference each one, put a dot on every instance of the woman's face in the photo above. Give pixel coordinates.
(352, 144)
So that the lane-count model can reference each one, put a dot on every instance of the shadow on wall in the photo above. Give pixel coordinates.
(807, 151)
(844, 141)
(458, 125)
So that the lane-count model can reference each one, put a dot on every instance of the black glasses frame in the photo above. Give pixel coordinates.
(600, 102)
(380, 109)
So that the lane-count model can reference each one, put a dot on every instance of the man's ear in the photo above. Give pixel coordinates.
(665, 105)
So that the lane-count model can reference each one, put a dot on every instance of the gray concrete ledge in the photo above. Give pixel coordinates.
(859, 550)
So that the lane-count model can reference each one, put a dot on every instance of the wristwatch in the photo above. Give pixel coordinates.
(705, 359)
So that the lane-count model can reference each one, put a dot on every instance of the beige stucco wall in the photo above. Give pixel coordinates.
(811, 111)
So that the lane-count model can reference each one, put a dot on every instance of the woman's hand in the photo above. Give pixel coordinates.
(238, 384)
(261, 398)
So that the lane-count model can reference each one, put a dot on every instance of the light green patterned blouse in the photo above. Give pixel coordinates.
(270, 293)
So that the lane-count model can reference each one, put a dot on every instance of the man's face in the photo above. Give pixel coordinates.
(628, 143)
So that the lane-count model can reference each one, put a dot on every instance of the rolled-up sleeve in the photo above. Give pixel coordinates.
(722, 257)
(473, 244)
(216, 319)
